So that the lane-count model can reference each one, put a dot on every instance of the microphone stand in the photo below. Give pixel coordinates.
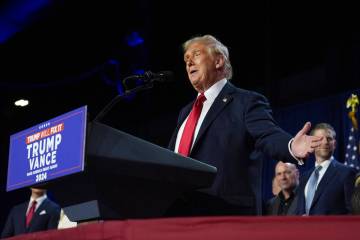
(118, 98)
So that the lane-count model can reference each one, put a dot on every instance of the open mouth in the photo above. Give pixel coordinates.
(192, 72)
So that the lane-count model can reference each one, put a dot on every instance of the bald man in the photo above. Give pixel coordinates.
(285, 203)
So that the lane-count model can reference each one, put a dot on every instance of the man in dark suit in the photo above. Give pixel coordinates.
(285, 202)
(224, 128)
(38, 214)
(327, 188)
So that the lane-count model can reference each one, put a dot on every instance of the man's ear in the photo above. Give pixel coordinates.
(219, 62)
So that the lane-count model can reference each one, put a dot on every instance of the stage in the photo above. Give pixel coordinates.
(210, 228)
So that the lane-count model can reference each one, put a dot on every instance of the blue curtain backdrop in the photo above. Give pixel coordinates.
(331, 110)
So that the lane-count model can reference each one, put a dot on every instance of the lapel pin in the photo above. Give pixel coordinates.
(225, 99)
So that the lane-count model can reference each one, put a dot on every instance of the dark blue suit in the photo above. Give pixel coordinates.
(238, 123)
(333, 194)
(15, 223)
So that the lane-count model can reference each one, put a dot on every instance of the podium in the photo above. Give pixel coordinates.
(127, 177)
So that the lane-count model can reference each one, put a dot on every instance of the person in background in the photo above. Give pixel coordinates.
(285, 202)
(37, 214)
(327, 188)
(275, 186)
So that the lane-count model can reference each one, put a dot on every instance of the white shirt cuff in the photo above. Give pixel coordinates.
(300, 161)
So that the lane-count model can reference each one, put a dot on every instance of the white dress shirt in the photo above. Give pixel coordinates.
(325, 164)
(210, 95)
(39, 201)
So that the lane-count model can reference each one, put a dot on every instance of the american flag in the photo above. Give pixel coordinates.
(352, 149)
(352, 154)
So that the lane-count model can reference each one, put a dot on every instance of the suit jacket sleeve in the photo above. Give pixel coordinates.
(268, 136)
(8, 230)
(53, 221)
(54, 216)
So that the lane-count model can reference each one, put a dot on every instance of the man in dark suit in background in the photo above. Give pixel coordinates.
(327, 188)
(223, 128)
(38, 214)
(285, 202)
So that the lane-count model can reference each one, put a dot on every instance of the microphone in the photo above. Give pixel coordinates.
(150, 77)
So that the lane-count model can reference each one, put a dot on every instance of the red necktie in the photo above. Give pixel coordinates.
(30, 214)
(189, 129)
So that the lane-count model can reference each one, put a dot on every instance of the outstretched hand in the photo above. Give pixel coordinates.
(303, 145)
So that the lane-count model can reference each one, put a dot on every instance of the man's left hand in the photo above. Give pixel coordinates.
(303, 145)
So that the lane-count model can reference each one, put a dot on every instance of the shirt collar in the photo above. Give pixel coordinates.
(214, 90)
(325, 164)
(38, 200)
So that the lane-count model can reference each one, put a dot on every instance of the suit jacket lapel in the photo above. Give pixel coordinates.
(293, 206)
(221, 101)
(329, 174)
(301, 191)
(37, 213)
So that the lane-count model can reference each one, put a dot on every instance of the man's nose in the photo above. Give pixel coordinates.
(189, 62)
(325, 140)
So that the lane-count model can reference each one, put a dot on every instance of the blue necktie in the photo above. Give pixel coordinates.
(312, 188)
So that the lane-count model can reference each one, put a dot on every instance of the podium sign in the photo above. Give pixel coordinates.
(48, 150)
